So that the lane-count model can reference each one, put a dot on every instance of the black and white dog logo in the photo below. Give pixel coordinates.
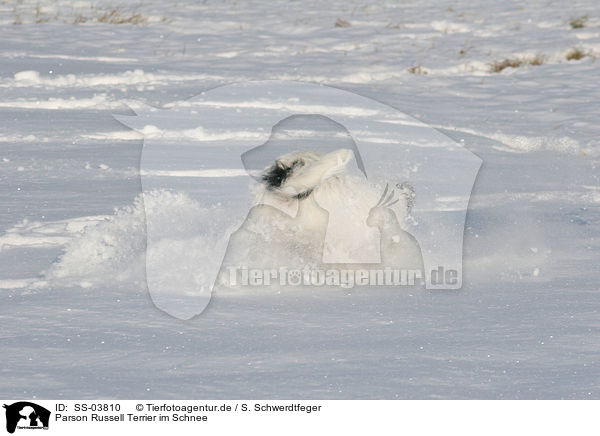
(26, 415)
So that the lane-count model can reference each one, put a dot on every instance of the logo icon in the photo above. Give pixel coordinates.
(26, 415)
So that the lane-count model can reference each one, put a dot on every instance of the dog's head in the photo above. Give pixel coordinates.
(296, 175)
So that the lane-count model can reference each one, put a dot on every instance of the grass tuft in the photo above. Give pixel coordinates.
(417, 69)
(498, 66)
(536, 61)
(575, 54)
(342, 23)
(578, 22)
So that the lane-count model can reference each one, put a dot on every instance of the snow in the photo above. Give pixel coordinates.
(77, 320)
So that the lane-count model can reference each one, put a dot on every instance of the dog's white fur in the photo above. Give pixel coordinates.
(292, 216)
(303, 180)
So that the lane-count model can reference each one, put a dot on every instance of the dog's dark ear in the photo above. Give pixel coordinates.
(275, 175)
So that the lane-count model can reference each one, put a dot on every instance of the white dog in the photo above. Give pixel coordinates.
(287, 226)
(308, 210)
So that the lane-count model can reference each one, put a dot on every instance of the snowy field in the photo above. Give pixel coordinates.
(516, 83)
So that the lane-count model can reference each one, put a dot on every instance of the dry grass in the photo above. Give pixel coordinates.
(342, 23)
(113, 16)
(418, 69)
(536, 61)
(498, 66)
(575, 54)
(578, 22)
(466, 47)
(39, 17)
(92, 15)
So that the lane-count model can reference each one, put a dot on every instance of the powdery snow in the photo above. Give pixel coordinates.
(77, 320)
